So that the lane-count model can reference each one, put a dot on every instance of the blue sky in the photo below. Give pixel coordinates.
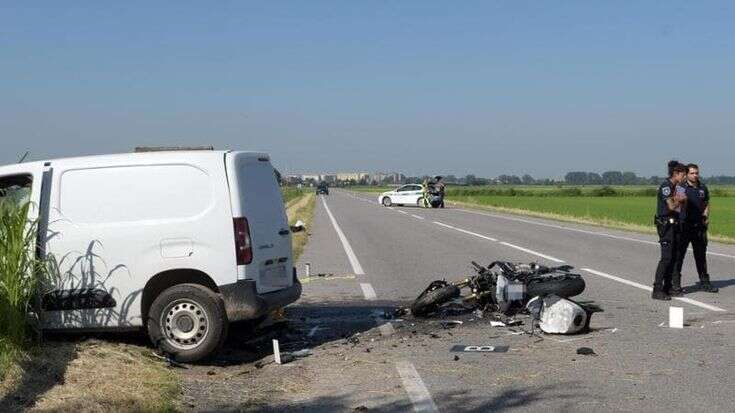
(485, 87)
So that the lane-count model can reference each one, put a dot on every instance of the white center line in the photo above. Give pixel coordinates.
(403, 212)
(647, 288)
(417, 216)
(368, 291)
(356, 267)
(417, 392)
(548, 257)
(465, 231)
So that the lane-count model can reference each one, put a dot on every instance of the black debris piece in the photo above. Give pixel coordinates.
(586, 351)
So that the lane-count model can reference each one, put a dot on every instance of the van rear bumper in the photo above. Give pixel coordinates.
(242, 301)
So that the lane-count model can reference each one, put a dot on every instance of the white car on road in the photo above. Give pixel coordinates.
(410, 194)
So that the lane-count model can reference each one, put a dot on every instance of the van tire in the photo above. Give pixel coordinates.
(188, 300)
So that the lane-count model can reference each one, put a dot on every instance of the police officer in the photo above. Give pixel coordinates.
(695, 220)
(439, 187)
(667, 220)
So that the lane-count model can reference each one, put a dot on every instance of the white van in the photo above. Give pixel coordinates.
(178, 242)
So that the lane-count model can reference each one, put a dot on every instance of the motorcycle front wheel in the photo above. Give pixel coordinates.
(430, 300)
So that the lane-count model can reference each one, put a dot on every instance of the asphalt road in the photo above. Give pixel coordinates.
(377, 258)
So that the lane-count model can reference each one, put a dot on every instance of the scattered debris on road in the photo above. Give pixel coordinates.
(298, 226)
(461, 348)
(586, 351)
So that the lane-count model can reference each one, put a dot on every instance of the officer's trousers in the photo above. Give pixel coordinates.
(696, 235)
(669, 237)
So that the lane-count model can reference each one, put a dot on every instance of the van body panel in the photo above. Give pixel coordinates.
(257, 197)
(115, 223)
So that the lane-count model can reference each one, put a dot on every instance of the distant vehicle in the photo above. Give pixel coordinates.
(179, 243)
(411, 194)
(322, 189)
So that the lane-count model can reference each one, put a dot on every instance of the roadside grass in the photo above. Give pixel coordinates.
(112, 376)
(301, 209)
(291, 194)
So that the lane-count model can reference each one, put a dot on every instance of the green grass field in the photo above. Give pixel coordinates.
(290, 193)
(630, 207)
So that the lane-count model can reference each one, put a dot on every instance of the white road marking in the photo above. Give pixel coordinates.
(548, 257)
(647, 288)
(356, 267)
(465, 231)
(386, 329)
(417, 216)
(403, 212)
(600, 234)
(417, 392)
(368, 291)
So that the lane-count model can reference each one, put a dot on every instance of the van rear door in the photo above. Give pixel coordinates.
(257, 198)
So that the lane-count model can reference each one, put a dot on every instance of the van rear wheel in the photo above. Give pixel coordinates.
(188, 322)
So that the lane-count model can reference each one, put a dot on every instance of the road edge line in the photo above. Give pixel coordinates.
(354, 262)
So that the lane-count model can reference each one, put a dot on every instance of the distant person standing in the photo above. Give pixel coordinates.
(668, 211)
(695, 221)
(439, 187)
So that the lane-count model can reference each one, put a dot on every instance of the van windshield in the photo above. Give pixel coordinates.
(16, 189)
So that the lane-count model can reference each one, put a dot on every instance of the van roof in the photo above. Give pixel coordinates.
(123, 157)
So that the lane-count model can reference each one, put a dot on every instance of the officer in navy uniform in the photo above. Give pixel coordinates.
(667, 220)
(694, 228)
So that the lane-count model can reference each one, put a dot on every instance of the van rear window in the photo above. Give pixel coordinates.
(134, 193)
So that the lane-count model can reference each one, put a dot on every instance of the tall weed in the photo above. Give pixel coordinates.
(21, 276)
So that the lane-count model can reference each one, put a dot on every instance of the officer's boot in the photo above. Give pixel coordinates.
(660, 295)
(675, 290)
(705, 285)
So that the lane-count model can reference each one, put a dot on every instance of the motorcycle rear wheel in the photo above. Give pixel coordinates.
(564, 285)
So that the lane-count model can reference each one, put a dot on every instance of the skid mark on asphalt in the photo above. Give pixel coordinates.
(582, 231)
(649, 289)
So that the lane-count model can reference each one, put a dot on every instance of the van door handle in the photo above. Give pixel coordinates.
(284, 232)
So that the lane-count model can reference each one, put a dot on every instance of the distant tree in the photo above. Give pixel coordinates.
(629, 178)
(612, 178)
(528, 180)
(470, 179)
(593, 178)
(576, 178)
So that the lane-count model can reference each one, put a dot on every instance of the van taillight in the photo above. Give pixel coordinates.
(243, 243)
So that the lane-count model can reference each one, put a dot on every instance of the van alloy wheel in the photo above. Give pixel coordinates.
(185, 323)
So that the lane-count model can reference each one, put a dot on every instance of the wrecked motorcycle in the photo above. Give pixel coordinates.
(501, 286)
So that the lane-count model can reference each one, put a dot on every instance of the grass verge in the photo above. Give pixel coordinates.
(91, 376)
(301, 208)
